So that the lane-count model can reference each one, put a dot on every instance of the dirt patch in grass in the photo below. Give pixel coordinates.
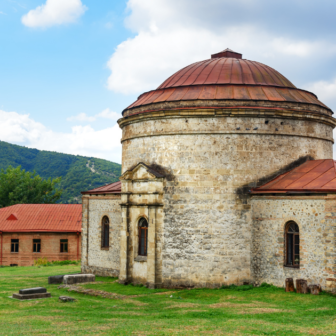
(234, 305)
(164, 293)
(93, 292)
(264, 311)
(135, 302)
(183, 305)
(321, 308)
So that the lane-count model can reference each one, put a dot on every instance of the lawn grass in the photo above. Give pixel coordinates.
(141, 311)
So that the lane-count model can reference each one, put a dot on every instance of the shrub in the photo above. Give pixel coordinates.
(45, 262)
(41, 262)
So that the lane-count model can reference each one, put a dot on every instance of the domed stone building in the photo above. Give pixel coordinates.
(196, 153)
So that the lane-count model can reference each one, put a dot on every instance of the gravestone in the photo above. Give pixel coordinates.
(78, 278)
(290, 285)
(57, 279)
(32, 293)
(315, 289)
(301, 286)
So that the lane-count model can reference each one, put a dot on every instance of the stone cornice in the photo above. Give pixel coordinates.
(230, 112)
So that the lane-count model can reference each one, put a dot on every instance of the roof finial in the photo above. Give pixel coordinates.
(227, 53)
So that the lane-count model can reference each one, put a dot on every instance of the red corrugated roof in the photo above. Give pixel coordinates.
(41, 218)
(112, 188)
(316, 176)
(227, 77)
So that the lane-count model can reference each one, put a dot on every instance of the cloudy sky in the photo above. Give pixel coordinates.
(69, 67)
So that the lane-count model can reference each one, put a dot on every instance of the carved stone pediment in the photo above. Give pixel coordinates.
(141, 172)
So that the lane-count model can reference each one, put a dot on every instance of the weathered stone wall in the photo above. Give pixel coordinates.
(315, 216)
(208, 160)
(98, 260)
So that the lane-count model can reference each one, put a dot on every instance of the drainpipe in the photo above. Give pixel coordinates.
(77, 245)
(1, 250)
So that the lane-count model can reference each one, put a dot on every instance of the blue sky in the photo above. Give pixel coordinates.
(69, 67)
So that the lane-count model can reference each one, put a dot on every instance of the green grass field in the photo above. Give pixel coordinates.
(141, 311)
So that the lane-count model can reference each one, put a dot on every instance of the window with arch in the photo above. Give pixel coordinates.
(143, 236)
(292, 244)
(105, 232)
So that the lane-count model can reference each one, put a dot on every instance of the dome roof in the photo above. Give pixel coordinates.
(226, 76)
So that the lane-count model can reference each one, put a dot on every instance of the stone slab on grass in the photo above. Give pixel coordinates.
(78, 278)
(66, 299)
(36, 290)
(31, 296)
(58, 279)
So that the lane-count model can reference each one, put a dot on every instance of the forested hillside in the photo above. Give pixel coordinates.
(78, 173)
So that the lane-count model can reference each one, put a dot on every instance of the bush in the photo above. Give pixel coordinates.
(45, 262)
(41, 262)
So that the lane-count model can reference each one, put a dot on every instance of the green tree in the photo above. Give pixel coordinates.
(20, 187)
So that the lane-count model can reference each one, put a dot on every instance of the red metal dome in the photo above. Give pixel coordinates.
(227, 77)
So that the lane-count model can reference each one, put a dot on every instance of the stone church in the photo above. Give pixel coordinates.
(227, 178)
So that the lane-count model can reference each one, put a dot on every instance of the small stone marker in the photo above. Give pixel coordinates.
(289, 285)
(78, 278)
(301, 286)
(315, 289)
(32, 293)
(66, 299)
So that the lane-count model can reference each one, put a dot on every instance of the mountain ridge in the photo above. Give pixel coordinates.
(79, 173)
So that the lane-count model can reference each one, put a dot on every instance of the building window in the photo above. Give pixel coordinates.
(15, 245)
(105, 243)
(37, 245)
(143, 237)
(292, 245)
(64, 246)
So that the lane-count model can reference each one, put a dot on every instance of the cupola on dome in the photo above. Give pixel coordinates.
(226, 76)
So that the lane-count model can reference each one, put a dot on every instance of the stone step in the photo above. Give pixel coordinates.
(31, 296)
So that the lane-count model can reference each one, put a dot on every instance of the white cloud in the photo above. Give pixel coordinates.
(108, 114)
(54, 12)
(325, 90)
(105, 114)
(81, 117)
(162, 46)
(82, 140)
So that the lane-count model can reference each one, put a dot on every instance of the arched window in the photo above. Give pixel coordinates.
(143, 236)
(105, 232)
(292, 245)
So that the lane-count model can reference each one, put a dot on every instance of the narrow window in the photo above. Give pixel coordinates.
(37, 245)
(64, 246)
(105, 232)
(292, 245)
(143, 237)
(15, 245)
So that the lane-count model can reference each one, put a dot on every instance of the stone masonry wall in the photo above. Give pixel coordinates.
(207, 225)
(97, 260)
(317, 238)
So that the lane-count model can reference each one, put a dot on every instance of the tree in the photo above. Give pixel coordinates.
(20, 187)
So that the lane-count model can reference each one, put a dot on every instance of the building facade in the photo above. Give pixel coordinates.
(191, 151)
(32, 231)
